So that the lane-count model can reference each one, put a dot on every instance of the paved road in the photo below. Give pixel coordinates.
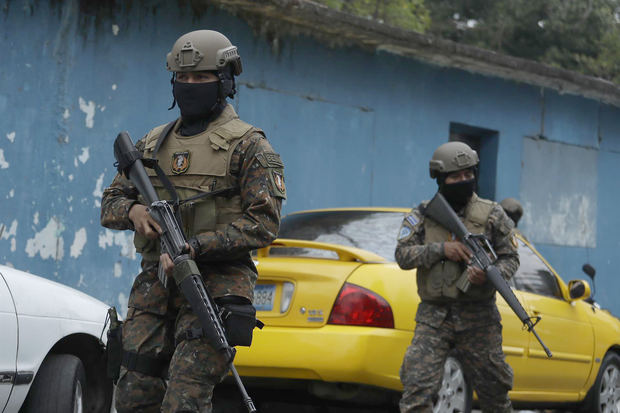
(226, 400)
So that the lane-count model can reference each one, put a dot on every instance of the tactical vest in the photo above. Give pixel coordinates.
(197, 165)
(438, 283)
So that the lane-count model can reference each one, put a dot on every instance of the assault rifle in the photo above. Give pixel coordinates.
(173, 241)
(483, 257)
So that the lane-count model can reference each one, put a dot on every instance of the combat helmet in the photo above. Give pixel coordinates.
(451, 157)
(206, 50)
(513, 209)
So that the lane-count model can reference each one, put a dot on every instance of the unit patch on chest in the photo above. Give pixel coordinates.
(180, 162)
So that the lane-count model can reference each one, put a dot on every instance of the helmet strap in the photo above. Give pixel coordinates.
(174, 100)
(227, 83)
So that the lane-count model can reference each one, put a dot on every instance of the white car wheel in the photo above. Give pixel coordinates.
(58, 386)
(455, 394)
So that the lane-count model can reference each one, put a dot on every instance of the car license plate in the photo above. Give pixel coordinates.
(263, 297)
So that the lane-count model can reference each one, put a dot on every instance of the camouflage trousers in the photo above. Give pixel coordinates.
(478, 349)
(155, 316)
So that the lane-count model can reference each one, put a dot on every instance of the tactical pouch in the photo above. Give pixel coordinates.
(239, 321)
(463, 283)
(114, 348)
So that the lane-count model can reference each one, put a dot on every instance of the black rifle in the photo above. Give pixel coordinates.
(173, 241)
(483, 257)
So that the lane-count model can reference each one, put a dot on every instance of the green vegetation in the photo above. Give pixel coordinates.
(406, 14)
(580, 35)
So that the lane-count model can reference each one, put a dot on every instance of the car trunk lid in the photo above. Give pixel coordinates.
(300, 290)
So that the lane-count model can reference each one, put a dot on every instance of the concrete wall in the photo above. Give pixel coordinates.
(353, 128)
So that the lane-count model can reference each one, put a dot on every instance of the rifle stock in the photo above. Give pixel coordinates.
(439, 210)
(173, 241)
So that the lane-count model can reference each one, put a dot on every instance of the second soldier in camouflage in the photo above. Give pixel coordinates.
(449, 320)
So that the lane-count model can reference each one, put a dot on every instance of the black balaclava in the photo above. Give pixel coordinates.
(199, 103)
(457, 194)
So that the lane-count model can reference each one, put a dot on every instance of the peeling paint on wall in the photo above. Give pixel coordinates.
(123, 300)
(80, 57)
(108, 238)
(83, 157)
(98, 192)
(559, 193)
(567, 219)
(118, 269)
(89, 110)
(3, 163)
(48, 243)
(78, 243)
(10, 234)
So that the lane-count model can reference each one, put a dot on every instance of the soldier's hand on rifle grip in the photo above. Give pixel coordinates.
(143, 222)
(475, 275)
(168, 264)
(456, 251)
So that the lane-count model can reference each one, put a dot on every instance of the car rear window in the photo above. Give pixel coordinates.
(373, 231)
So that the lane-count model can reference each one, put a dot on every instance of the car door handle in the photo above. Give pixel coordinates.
(6, 377)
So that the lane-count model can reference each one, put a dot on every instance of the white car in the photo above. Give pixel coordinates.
(51, 347)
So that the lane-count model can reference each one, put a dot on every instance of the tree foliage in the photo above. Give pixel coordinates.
(406, 14)
(580, 35)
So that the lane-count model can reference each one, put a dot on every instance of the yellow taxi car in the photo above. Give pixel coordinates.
(339, 314)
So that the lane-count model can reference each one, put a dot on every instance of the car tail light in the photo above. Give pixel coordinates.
(358, 306)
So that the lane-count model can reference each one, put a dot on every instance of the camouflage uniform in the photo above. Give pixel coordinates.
(157, 317)
(450, 321)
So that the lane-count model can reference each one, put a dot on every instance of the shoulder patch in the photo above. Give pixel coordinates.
(269, 160)
(405, 231)
(273, 160)
(412, 220)
(276, 182)
(262, 160)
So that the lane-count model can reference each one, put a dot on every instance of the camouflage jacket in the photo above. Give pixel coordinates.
(412, 252)
(224, 257)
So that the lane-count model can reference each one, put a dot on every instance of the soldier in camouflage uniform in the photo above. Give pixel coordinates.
(231, 185)
(514, 210)
(449, 320)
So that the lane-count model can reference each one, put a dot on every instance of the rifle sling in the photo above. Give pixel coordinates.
(160, 173)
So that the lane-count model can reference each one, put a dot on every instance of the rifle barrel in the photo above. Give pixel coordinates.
(247, 400)
(547, 351)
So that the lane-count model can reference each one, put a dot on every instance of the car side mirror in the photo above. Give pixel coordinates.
(589, 270)
(578, 290)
